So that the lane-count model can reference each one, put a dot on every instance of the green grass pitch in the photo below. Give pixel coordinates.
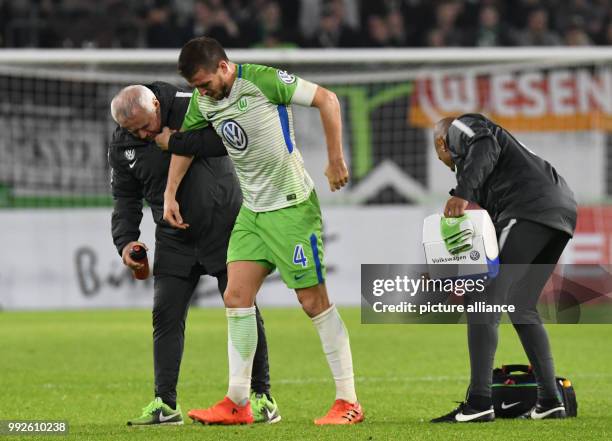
(94, 369)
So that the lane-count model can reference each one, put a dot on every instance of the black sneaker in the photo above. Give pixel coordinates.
(544, 412)
(467, 414)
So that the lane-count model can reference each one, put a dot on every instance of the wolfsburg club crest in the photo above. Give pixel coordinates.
(285, 77)
(130, 154)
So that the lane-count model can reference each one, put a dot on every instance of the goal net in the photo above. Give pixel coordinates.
(56, 124)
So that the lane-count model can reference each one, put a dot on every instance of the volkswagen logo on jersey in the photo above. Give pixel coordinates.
(234, 135)
(286, 77)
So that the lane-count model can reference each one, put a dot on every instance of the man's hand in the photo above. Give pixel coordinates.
(455, 207)
(163, 138)
(172, 214)
(337, 174)
(127, 260)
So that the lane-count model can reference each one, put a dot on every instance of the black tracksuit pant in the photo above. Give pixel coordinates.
(528, 254)
(170, 305)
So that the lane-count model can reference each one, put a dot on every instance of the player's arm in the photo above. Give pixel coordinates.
(178, 168)
(194, 120)
(196, 137)
(204, 143)
(305, 93)
(477, 157)
(281, 87)
(127, 210)
(329, 108)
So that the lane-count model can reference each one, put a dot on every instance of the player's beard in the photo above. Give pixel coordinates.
(225, 91)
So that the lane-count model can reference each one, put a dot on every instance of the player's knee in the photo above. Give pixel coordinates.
(235, 298)
(314, 304)
(230, 298)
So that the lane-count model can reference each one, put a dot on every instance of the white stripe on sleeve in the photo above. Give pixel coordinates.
(463, 127)
(304, 92)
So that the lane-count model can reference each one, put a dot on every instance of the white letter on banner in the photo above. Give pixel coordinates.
(501, 94)
(560, 91)
(594, 90)
(530, 86)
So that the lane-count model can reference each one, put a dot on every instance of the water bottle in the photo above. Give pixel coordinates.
(139, 254)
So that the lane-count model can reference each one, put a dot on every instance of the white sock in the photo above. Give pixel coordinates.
(241, 345)
(335, 341)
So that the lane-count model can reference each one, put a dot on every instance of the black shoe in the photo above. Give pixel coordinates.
(542, 412)
(467, 414)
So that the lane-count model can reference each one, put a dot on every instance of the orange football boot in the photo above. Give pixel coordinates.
(224, 412)
(342, 412)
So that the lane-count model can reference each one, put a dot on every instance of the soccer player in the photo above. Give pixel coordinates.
(279, 224)
(534, 213)
(212, 194)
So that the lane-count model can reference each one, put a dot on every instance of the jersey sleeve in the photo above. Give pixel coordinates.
(477, 153)
(127, 194)
(279, 86)
(200, 142)
(193, 118)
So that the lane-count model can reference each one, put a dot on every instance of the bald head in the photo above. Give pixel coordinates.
(136, 109)
(131, 100)
(441, 127)
(440, 132)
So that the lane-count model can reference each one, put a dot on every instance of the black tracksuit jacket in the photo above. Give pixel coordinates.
(209, 196)
(505, 178)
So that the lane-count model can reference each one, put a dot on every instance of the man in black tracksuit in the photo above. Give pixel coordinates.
(211, 199)
(534, 213)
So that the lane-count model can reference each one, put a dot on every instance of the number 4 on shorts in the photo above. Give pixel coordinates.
(299, 258)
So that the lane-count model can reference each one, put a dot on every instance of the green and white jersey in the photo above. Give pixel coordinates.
(255, 123)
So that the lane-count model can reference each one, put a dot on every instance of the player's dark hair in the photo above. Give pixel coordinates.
(200, 53)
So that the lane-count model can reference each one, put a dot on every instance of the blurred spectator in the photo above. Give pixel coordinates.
(212, 19)
(270, 29)
(589, 15)
(436, 38)
(445, 32)
(311, 23)
(606, 34)
(537, 32)
(311, 12)
(162, 29)
(332, 30)
(378, 32)
(397, 29)
(575, 35)
(518, 11)
(489, 31)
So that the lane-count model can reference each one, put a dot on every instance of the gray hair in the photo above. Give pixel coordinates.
(130, 100)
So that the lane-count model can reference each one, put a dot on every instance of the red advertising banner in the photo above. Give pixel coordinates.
(592, 242)
(540, 100)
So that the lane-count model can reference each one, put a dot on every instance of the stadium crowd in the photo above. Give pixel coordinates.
(305, 23)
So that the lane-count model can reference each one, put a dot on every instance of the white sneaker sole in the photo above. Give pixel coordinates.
(175, 423)
(274, 420)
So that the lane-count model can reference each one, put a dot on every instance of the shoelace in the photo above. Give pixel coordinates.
(350, 414)
(151, 407)
(460, 403)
